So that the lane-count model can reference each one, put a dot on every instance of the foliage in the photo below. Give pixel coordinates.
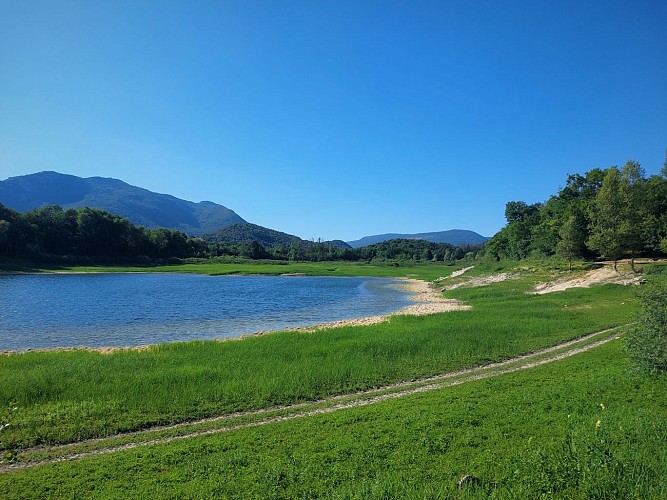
(647, 341)
(53, 234)
(606, 214)
(610, 213)
(51, 231)
(571, 242)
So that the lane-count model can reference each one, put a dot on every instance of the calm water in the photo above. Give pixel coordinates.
(94, 310)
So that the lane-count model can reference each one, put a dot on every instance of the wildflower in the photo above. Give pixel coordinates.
(602, 406)
(598, 424)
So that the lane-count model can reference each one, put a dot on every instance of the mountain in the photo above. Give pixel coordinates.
(453, 237)
(269, 238)
(142, 207)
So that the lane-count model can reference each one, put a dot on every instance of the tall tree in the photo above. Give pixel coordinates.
(634, 209)
(571, 241)
(521, 219)
(606, 216)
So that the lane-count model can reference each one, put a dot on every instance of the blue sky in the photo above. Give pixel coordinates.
(335, 119)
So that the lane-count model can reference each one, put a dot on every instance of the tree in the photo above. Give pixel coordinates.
(521, 219)
(634, 214)
(571, 241)
(606, 215)
(55, 228)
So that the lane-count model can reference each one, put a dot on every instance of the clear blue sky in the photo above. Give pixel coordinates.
(335, 119)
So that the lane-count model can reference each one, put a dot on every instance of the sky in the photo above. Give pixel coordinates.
(335, 119)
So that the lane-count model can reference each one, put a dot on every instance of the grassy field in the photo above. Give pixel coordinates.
(424, 270)
(419, 270)
(586, 427)
(526, 434)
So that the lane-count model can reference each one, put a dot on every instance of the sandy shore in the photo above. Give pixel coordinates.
(428, 300)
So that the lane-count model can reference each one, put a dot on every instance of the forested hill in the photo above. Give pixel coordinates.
(453, 237)
(269, 238)
(608, 214)
(140, 206)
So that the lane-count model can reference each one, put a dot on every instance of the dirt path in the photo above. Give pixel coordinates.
(225, 423)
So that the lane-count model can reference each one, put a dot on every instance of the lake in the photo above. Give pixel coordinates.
(97, 310)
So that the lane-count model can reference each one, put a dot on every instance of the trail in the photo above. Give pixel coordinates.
(103, 446)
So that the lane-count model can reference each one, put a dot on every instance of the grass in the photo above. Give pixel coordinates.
(585, 427)
(424, 270)
(69, 396)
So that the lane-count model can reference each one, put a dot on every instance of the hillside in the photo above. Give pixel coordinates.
(453, 237)
(141, 206)
(245, 232)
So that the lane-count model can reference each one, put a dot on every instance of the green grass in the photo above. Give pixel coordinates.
(420, 270)
(69, 396)
(529, 434)
(428, 270)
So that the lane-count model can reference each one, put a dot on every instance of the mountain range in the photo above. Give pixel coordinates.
(152, 210)
(453, 237)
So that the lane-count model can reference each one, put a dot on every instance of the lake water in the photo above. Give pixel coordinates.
(96, 310)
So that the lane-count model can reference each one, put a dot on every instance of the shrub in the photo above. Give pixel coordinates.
(647, 340)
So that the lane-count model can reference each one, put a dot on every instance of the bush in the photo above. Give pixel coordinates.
(647, 340)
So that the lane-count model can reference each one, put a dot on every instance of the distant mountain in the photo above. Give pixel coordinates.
(269, 238)
(453, 237)
(142, 207)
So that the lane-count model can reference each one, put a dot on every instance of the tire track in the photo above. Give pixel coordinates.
(335, 403)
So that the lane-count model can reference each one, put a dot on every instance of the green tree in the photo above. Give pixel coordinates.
(521, 219)
(606, 215)
(634, 209)
(571, 242)
(55, 228)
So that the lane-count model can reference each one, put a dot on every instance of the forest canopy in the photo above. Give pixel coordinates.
(52, 233)
(608, 214)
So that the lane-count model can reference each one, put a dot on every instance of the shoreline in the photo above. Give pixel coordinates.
(427, 300)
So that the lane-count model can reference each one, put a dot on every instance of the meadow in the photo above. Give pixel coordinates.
(486, 428)
(586, 427)
(421, 270)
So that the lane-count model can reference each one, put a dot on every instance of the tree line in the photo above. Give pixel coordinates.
(53, 233)
(51, 230)
(610, 214)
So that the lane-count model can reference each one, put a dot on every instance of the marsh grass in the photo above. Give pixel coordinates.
(74, 395)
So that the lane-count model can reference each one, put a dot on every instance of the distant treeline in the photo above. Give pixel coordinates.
(609, 214)
(52, 233)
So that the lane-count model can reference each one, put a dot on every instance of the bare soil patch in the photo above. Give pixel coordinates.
(480, 281)
(602, 275)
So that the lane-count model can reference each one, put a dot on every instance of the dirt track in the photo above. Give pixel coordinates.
(225, 423)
